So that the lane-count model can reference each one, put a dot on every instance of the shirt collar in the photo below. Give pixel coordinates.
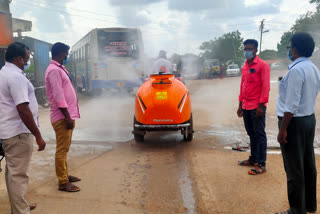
(255, 61)
(56, 63)
(14, 67)
(300, 59)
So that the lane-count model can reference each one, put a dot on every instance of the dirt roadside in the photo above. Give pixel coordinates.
(164, 174)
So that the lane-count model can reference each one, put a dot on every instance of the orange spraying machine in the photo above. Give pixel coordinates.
(162, 103)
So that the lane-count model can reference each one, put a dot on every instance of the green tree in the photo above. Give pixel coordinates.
(316, 2)
(284, 43)
(309, 22)
(224, 48)
(269, 55)
(30, 71)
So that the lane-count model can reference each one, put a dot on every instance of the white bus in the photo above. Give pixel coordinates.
(109, 58)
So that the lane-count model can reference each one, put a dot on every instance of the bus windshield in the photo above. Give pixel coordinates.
(117, 44)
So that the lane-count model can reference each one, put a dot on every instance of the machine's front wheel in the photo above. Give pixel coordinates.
(189, 132)
(137, 137)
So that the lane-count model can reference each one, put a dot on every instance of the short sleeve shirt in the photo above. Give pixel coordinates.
(15, 89)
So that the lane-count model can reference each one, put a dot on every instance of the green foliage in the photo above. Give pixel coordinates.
(284, 43)
(316, 2)
(224, 48)
(30, 72)
(269, 55)
(309, 22)
(69, 66)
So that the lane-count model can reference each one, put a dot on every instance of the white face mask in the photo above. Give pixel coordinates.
(27, 66)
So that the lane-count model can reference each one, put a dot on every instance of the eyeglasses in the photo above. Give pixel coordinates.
(289, 47)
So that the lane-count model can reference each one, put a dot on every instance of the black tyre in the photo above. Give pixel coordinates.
(137, 137)
(189, 135)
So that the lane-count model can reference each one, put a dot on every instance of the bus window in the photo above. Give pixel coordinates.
(87, 51)
(117, 44)
(76, 56)
(82, 53)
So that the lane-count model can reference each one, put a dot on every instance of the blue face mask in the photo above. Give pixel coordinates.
(248, 54)
(289, 55)
(65, 61)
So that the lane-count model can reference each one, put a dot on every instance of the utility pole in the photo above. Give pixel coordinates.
(261, 32)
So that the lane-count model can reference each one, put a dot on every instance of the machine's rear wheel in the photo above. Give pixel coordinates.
(189, 135)
(137, 137)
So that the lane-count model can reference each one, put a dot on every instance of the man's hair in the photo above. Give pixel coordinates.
(59, 48)
(251, 42)
(303, 43)
(15, 50)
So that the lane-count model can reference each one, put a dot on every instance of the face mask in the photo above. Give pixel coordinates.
(65, 61)
(289, 56)
(27, 66)
(248, 54)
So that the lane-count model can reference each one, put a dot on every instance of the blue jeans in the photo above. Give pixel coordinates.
(255, 127)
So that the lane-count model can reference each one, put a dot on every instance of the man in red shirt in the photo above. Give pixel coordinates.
(253, 99)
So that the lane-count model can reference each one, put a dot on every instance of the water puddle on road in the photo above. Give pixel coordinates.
(236, 135)
(184, 180)
(273, 151)
(96, 134)
(185, 185)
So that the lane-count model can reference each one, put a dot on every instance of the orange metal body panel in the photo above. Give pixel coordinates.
(6, 35)
(162, 100)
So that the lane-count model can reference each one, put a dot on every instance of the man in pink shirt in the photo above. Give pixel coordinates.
(253, 99)
(64, 110)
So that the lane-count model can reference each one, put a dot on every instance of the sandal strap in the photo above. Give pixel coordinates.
(262, 167)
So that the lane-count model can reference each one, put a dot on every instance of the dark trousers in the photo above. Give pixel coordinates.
(255, 127)
(299, 163)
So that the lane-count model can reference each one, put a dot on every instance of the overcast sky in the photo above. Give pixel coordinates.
(178, 26)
